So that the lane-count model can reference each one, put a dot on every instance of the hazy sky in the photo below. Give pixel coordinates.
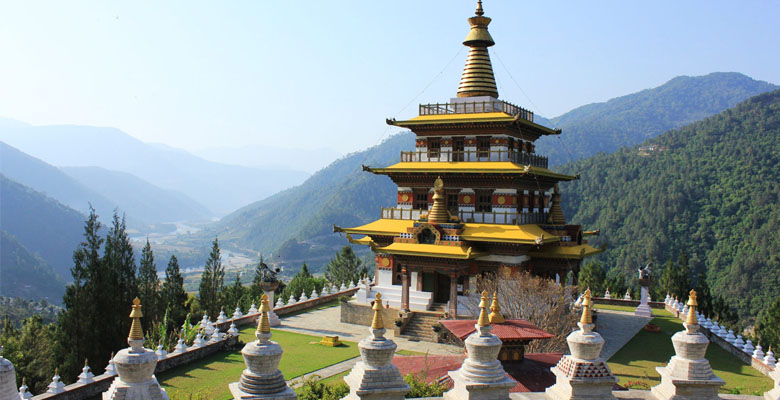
(288, 73)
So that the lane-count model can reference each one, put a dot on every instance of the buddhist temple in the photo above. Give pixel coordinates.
(473, 197)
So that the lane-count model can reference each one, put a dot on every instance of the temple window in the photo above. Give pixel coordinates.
(484, 201)
(434, 147)
(458, 148)
(483, 146)
(426, 237)
(452, 203)
(420, 199)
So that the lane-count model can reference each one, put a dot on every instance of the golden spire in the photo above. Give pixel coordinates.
(586, 317)
(556, 212)
(692, 303)
(483, 314)
(495, 311)
(477, 78)
(263, 325)
(377, 322)
(136, 333)
(438, 213)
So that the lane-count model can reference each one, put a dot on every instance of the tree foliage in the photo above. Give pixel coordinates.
(212, 282)
(173, 296)
(148, 286)
(345, 267)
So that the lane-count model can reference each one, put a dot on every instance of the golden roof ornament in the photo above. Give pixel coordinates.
(136, 333)
(483, 314)
(438, 213)
(263, 325)
(692, 303)
(495, 311)
(477, 78)
(377, 322)
(586, 318)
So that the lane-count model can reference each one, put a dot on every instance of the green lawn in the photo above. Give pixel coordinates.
(627, 309)
(209, 378)
(637, 360)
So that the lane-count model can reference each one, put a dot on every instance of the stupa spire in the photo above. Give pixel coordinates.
(692, 303)
(477, 78)
(263, 325)
(438, 213)
(495, 311)
(377, 322)
(586, 304)
(483, 314)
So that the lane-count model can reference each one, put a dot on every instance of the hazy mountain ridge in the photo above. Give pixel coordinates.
(711, 188)
(24, 274)
(40, 224)
(219, 187)
(631, 119)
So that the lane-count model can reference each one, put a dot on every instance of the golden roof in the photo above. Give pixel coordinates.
(461, 118)
(429, 250)
(476, 232)
(473, 167)
(477, 78)
(577, 252)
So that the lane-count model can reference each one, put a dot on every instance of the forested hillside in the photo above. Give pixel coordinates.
(26, 275)
(711, 188)
(339, 194)
(629, 120)
(40, 224)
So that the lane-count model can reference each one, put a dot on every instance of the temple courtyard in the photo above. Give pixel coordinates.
(632, 354)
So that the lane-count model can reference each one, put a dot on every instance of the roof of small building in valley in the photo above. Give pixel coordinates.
(509, 330)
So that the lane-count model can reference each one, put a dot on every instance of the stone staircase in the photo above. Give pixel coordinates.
(420, 326)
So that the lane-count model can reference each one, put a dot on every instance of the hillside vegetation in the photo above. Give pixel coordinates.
(629, 120)
(712, 189)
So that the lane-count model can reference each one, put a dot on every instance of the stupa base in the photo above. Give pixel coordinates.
(643, 310)
(673, 388)
(150, 390)
(238, 394)
(581, 388)
(465, 389)
(384, 383)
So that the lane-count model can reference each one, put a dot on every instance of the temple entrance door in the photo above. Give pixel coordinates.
(442, 293)
(428, 282)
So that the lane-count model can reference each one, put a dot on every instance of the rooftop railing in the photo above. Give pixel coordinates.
(438, 155)
(487, 217)
(476, 107)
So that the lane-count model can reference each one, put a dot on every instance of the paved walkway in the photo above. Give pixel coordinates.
(617, 328)
(328, 322)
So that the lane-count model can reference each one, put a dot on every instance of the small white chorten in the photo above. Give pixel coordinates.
(769, 359)
(180, 346)
(758, 353)
(252, 309)
(221, 318)
(748, 348)
(135, 366)
(56, 385)
(161, 353)
(237, 314)
(86, 376)
(233, 331)
(110, 368)
(23, 393)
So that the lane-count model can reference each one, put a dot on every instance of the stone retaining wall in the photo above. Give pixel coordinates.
(362, 314)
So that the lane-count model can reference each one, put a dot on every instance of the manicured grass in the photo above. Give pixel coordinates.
(329, 304)
(637, 360)
(630, 309)
(209, 378)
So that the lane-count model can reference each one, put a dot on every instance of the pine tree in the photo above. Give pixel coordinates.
(255, 291)
(78, 326)
(235, 292)
(212, 282)
(704, 296)
(768, 326)
(149, 287)
(345, 267)
(118, 290)
(174, 297)
(591, 276)
(682, 282)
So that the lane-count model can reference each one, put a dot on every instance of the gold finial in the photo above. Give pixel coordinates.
(377, 322)
(264, 326)
(586, 303)
(692, 303)
(483, 314)
(136, 333)
(56, 371)
(495, 311)
(479, 8)
(438, 213)
(85, 362)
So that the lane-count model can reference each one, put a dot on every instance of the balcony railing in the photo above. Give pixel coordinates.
(476, 107)
(487, 217)
(437, 155)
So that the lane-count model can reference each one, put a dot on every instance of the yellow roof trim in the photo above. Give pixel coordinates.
(504, 167)
(475, 232)
(470, 117)
(522, 234)
(428, 250)
(571, 252)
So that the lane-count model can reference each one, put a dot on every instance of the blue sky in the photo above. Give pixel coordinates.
(311, 74)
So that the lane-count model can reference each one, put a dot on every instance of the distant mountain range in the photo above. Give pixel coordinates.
(221, 188)
(711, 188)
(269, 157)
(296, 223)
(629, 120)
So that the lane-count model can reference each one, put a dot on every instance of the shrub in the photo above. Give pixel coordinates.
(421, 388)
(314, 389)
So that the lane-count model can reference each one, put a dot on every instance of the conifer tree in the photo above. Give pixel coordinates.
(591, 276)
(149, 287)
(118, 289)
(78, 326)
(235, 292)
(174, 297)
(768, 326)
(345, 267)
(212, 282)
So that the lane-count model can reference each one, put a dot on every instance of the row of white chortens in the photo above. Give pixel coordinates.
(581, 375)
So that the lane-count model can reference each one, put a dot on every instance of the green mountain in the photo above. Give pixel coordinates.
(298, 222)
(41, 225)
(137, 197)
(25, 274)
(629, 120)
(711, 188)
